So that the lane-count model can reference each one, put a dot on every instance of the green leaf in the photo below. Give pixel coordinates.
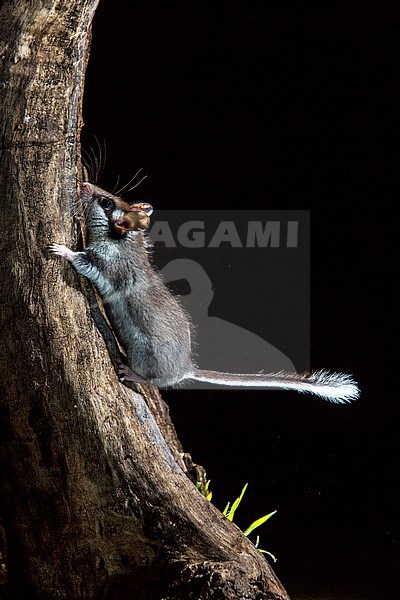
(257, 523)
(236, 503)
(225, 511)
(209, 496)
(264, 551)
(269, 554)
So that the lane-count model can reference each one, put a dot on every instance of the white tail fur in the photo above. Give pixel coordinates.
(335, 387)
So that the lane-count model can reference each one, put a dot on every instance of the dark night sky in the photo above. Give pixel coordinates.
(284, 108)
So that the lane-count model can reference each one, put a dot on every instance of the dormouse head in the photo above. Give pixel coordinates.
(108, 212)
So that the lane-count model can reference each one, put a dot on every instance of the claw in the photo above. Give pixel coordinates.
(126, 374)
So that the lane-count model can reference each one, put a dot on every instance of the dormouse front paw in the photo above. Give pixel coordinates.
(61, 250)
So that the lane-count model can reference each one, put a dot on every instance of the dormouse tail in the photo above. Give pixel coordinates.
(335, 387)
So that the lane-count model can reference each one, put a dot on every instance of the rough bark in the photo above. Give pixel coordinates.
(95, 502)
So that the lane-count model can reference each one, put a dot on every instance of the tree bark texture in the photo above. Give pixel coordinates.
(95, 499)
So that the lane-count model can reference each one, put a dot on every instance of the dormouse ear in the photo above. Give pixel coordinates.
(142, 206)
(123, 225)
(132, 221)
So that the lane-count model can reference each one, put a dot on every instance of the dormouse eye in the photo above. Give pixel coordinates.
(106, 203)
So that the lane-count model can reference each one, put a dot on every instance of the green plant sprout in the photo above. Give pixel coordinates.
(264, 551)
(204, 489)
(229, 513)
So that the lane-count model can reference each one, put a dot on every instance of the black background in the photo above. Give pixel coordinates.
(278, 106)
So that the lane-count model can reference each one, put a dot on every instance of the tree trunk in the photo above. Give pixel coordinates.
(95, 498)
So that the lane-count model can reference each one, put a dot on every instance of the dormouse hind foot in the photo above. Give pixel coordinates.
(126, 374)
